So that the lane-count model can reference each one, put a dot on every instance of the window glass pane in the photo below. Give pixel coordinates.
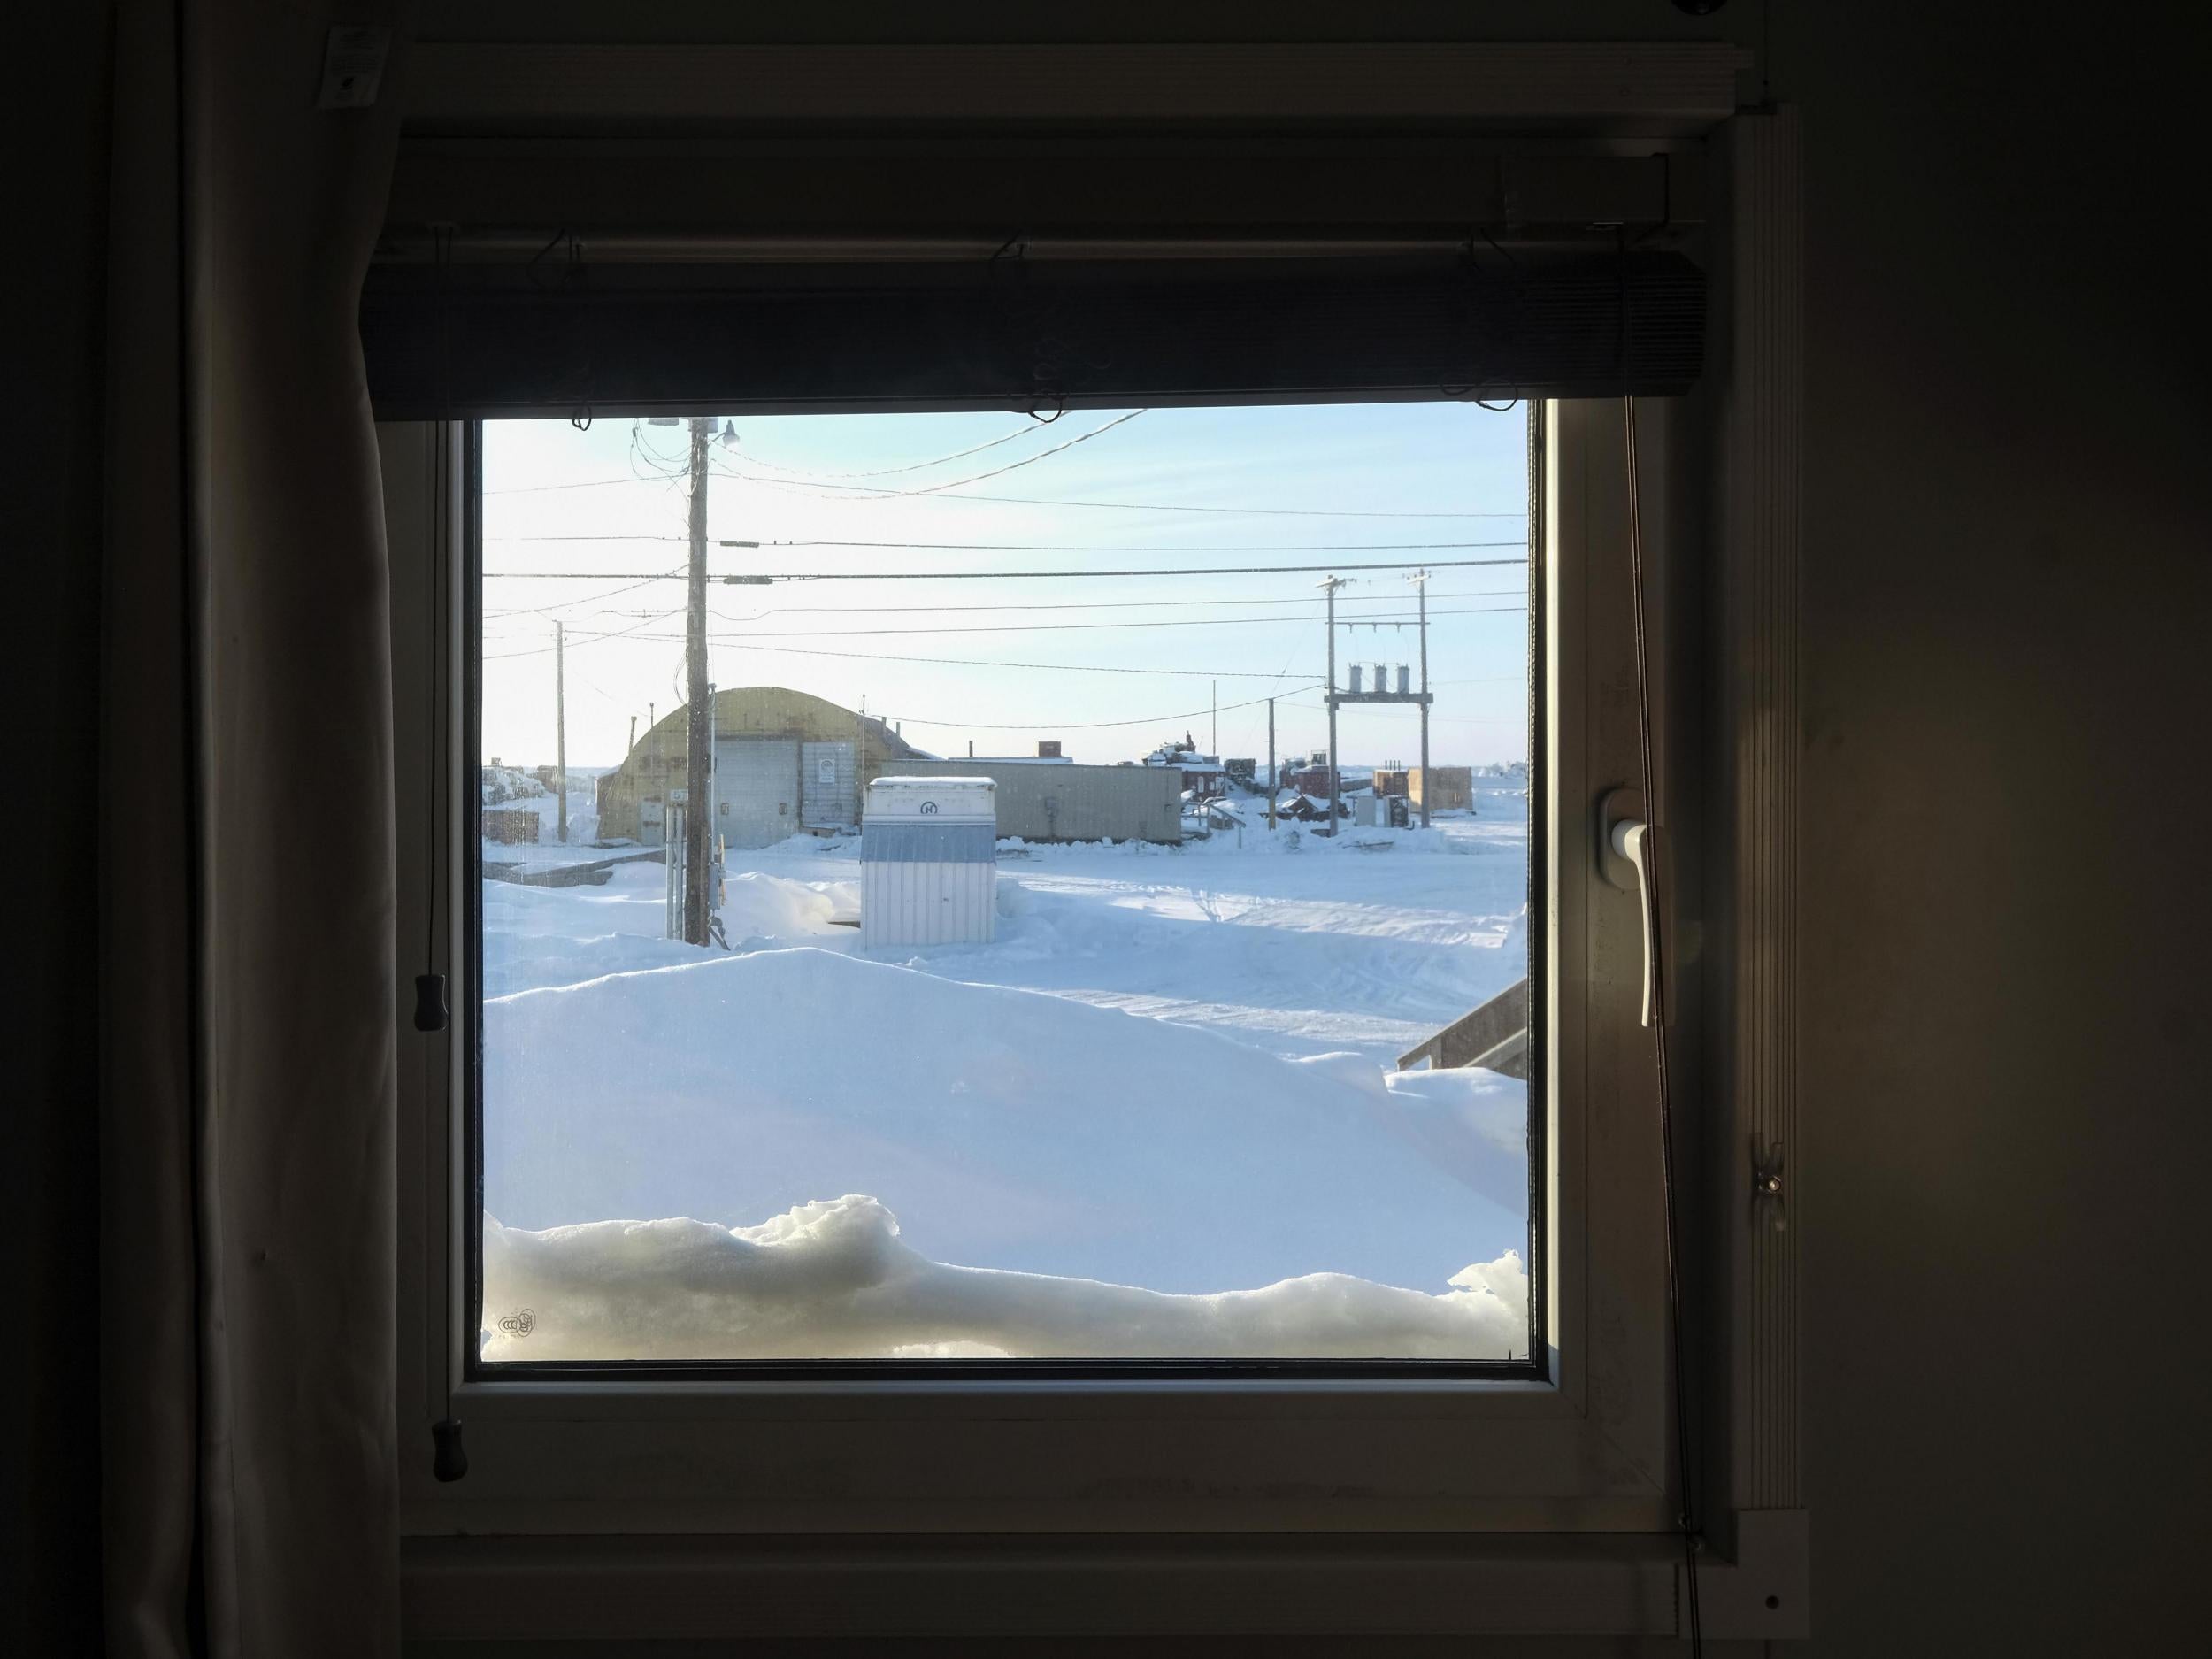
(963, 981)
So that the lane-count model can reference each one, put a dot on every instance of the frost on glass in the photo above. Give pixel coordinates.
(1158, 1112)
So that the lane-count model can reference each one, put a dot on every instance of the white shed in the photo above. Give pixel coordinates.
(929, 863)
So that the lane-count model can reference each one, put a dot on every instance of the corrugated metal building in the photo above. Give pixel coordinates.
(784, 762)
(1060, 801)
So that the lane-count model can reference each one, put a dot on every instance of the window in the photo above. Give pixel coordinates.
(1092, 1057)
(1580, 1441)
(1089, 1440)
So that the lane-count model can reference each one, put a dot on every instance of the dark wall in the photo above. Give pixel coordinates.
(53, 133)
(2009, 593)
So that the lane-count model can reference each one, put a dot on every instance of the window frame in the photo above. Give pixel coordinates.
(549, 1461)
(1579, 1442)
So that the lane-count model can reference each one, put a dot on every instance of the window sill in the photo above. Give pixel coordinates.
(679, 1587)
(977, 1587)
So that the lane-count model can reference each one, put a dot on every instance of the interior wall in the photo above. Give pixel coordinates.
(53, 130)
(2008, 583)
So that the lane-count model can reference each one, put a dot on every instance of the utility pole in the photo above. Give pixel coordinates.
(1420, 579)
(697, 829)
(633, 734)
(1336, 777)
(560, 721)
(1216, 739)
(1274, 784)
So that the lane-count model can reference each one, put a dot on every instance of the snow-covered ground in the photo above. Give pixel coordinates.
(1159, 1115)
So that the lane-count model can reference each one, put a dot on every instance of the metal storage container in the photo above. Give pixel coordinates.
(1048, 801)
(928, 862)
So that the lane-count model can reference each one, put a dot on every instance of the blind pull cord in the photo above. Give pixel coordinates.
(448, 1460)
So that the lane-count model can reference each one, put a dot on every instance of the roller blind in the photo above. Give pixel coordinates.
(558, 333)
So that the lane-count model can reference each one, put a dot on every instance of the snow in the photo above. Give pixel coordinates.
(1173, 1071)
(835, 1279)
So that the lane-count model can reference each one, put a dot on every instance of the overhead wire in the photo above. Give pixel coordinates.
(912, 466)
(1407, 621)
(884, 492)
(1124, 506)
(948, 661)
(1084, 726)
(1040, 547)
(615, 593)
(1094, 605)
(752, 577)
(1398, 622)
(1030, 500)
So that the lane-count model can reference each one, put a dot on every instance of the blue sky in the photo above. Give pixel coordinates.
(1110, 665)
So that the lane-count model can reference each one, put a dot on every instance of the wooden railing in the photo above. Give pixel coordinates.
(1493, 1036)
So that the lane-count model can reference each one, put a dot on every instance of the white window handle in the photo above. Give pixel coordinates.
(1631, 842)
(1624, 852)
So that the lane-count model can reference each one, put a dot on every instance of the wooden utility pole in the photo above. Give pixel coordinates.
(1274, 783)
(697, 828)
(1336, 777)
(1216, 739)
(560, 722)
(1420, 579)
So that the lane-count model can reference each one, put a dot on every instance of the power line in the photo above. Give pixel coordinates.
(949, 661)
(1065, 668)
(1122, 506)
(1406, 620)
(1065, 605)
(1087, 726)
(1030, 500)
(594, 638)
(915, 466)
(1054, 547)
(977, 478)
(539, 610)
(988, 576)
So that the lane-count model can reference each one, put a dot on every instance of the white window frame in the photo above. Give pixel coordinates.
(659, 1499)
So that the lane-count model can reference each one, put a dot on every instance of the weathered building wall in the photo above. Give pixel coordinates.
(1069, 802)
(630, 795)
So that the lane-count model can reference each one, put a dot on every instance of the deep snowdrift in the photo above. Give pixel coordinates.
(835, 1280)
(1007, 1128)
(1174, 1068)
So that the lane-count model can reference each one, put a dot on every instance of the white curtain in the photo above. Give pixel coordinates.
(246, 1330)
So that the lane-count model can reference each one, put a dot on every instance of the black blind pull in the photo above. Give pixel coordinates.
(452, 1459)
(430, 1013)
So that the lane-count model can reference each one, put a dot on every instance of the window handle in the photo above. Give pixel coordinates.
(1624, 859)
(1631, 841)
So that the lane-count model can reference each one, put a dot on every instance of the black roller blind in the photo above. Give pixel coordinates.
(562, 334)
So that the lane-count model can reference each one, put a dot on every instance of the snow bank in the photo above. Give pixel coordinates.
(834, 1279)
(1010, 1128)
(764, 910)
(541, 937)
